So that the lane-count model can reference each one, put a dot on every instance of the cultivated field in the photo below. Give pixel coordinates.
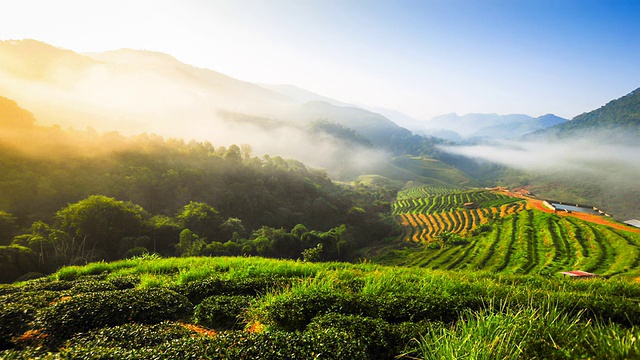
(503, 234)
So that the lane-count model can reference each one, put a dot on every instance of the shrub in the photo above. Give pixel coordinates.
(375, 335)
(36, 299)
(110, 308)
(131, 336)
(14, 320)
(197, 291)
(294, 310)
(435, 306)
(221, 312)
(125, 282)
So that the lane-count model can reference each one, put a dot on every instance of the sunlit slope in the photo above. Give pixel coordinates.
(432, 172)
(501, 234)
(133, 92)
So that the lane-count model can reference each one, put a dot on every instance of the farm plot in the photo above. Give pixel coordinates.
(425, 218)
(512, 238)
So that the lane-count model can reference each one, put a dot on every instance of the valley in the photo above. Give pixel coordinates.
(153, 209)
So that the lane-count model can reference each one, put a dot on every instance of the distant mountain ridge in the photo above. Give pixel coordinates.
(620, 116)
(140, 91)
(476, 126)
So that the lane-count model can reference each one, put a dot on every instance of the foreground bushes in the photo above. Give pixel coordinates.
(222, 312)
(95, 310)
(328, 311)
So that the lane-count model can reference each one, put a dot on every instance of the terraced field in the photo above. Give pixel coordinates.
(426, 212)
(515, 239)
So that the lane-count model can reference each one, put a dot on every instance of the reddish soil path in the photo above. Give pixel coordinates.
(597, 219)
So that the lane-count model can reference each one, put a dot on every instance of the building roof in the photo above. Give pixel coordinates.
(578, 273)
(633, 222)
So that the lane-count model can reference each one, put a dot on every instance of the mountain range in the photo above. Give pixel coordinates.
(133, 92)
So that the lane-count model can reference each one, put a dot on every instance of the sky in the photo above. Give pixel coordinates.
(424, 58)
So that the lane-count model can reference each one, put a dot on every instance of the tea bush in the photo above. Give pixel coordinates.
(294, 311)
(14, 320)
(131, 336)
(376, 335)
(197, 291)
(222, 312)
(37, 299)
(110, 308)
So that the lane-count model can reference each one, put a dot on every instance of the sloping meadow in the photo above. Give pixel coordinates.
(247, 308)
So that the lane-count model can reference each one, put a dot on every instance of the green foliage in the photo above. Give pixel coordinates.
(8, 227)
(69, 195)
(305, 310)
(131, 336)
(197, 291)
(89, 311)
(100, 222)
(313, 254)
(16, 260)
(222, 312)
(14, 320)
(202, 219)
(375, 335)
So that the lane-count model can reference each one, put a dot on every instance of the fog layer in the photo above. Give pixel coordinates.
(135, 92)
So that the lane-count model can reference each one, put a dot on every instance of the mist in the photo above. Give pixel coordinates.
(134, 92)
(599, 166)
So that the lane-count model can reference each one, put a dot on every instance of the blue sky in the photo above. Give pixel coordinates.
(424, 58)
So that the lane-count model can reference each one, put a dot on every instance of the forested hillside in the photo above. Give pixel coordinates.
(73, 197)
(621, 115)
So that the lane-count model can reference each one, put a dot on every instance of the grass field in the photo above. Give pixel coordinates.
(246, 308)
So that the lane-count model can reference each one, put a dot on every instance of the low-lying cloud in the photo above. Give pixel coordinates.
(603, 168)
(574, 155)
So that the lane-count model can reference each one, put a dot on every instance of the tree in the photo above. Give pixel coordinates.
(202, 219)
(312, 254)
(15, 261)
(233, 229)
(164, 231)
(7, 227)
(233, 154)
(99, 222)
(190, 244)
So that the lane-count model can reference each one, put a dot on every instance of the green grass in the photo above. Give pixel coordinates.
(297, 309)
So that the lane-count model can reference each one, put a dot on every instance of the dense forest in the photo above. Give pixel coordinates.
(71, 197)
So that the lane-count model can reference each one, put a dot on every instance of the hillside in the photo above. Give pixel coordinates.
(86, 196)
(249, 308)
(620, 117)
(504, 234)
(591, 159)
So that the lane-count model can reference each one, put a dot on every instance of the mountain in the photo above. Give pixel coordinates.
(302, 96)
(619, 118)
(492, 126)
(135, 91)
(125, 90)
(592, 159)
(516, 129)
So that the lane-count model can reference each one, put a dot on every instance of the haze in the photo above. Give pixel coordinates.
(424, 58)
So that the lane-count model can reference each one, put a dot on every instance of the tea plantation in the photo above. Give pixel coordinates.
(498, 233)
(250, 308)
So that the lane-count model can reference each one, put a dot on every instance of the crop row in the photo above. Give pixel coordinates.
(424, 191)
(451, 201)
(531, 241)
(424, 228)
